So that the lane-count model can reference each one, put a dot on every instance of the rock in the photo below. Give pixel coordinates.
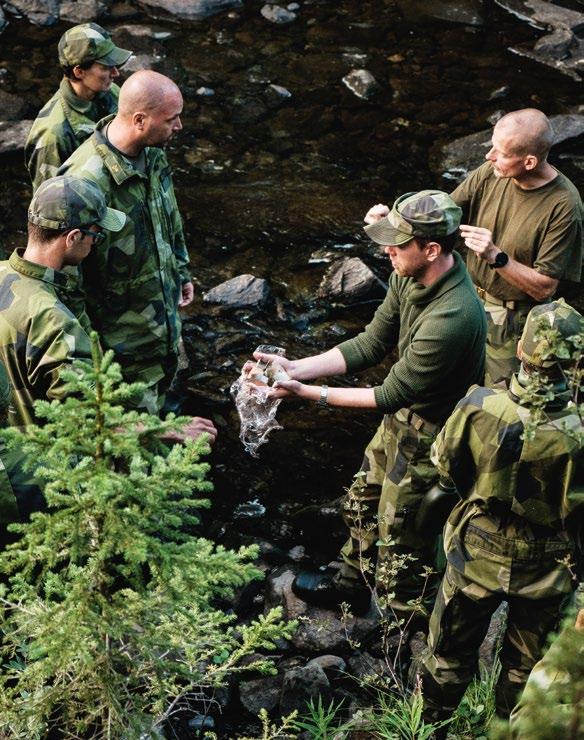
(194, 10)
(205, 92)
(302, 684)
(241, 291)
(13, 135)
(465, 12)
(139, 37)
(362, 664)
(82, 11)
(362, 83)
(350, 280)
(260, 693)
(3, 21)
(282, 92)
(39, 12)
(276, 14)
(137, 62)
(563, 47)
(12, 106)
(279, 593)
(461, 156)
(500, 92)
(332, 665)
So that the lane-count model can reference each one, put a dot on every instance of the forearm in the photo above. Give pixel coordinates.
(539, 287)
(319, 366)
(362, 398)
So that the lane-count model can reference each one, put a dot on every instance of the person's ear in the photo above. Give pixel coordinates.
(73, 237)
(433, 251)
(138, 120)
(530, 162)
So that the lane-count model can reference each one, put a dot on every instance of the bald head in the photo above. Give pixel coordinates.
(528, 131)
(145, 91)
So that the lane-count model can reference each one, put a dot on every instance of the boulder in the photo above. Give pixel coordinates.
(82, 11)
(137, 62)
(461, 156)
(300, 685)
(350, 280)
(563, 47)
(39, 12)
(239, 292)
(260, 693)
(362, 83)
(362, 664)
(276, 14)
(13, 135)
(194, 10)
(12, 106)
(332, 665)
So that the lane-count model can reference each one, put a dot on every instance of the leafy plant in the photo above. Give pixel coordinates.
(321, 722)
(109, 607)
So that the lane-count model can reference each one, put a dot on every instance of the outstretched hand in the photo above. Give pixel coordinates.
(192, 430)
(376, 213)
(480, 241)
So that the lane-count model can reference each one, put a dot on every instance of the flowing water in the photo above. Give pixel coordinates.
(265, 178)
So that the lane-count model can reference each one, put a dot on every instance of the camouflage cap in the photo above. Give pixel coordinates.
(429, 213)
(90, 43)
(558, 315)
(67, 202)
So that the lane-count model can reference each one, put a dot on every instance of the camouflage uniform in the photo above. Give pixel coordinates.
(442, 325)
(133, 282)
(506, 539)
(66, 120)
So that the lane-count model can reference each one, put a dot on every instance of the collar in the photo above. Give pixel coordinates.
(518, 391)
(47, 275)
(74, 101)
(421, 294)
(120, 168)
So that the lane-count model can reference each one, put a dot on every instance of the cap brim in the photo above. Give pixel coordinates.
(113, 220)
(382, 232)
(116, 57)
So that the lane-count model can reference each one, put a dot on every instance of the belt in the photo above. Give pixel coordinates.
(513, 305)
(418, 423)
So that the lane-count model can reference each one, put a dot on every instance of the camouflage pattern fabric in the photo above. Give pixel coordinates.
(565, 321)
(504, 541)
(89, 42)
(38, 334)
(133, 281)
(504, 327)
(427, 213)
(398, 473)
(61, 126)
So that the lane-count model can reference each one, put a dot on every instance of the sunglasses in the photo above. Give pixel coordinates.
(98, 236)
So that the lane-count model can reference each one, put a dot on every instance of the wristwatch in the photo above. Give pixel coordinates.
(323, 400)
(500, 261)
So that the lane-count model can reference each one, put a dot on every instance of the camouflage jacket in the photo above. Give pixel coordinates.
(482, 450)
(62, 124)
(38, 334)
(133, 281)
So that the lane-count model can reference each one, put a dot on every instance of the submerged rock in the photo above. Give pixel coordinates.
(362, 83)
(194, 10)
(563, 47)
(350, 280)
(239, 292)
(277, 14)
(461, 156)
(13, 135)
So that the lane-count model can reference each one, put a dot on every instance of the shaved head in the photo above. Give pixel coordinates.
(145, 91)
(528, 131)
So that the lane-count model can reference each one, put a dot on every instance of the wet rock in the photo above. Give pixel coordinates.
(194, 10)
(201, 722)
(137, 62)
(465, 12)
(500, 92)
(332, 665)
(260, 693)
(241, 291)
(39, 12)
(297, 553)
(82, 11)
(280, 91)
(350, 280)
(277, 14)
(205, 92)
(13, 135)
(362, 83)
(300, 685)
(12, 106)
(461, 156)
(563, 47)
(139, 37)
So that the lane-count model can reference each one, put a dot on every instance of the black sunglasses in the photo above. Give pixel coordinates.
(98, 236)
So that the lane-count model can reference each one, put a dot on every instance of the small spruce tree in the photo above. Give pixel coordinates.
(108, 602)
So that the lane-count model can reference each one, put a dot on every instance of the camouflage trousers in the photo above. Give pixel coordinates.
(382, 502)
(492, 557)
(504, 328)
(157, 375)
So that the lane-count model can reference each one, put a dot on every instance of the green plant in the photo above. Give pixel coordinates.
(476, 711)
(321, 722)
(109, 608)
(272, 731)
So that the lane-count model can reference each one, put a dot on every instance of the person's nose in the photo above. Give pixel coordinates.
(178, 124)
(490, 155)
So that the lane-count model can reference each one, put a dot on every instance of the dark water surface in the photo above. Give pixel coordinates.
(263, 181)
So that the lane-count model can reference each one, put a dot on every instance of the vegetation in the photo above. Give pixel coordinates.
(109, 605)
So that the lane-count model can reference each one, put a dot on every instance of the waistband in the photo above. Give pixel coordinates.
(513, 305)
(418, 423)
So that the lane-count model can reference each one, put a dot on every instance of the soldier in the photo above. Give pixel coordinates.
(90, 62)
(523, 230)
(512, 534)
(433, 316)
(136, 282)
(38, 332)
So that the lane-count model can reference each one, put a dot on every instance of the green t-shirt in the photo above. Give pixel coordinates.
(541, 228)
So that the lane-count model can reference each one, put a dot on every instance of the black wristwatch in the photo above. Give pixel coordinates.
(500, 261)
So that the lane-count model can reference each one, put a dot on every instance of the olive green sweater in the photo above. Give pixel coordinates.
(440, 332)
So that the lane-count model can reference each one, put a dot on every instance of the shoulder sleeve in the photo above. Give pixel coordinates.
(561, 251)
(46, 149)
(381, 335)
